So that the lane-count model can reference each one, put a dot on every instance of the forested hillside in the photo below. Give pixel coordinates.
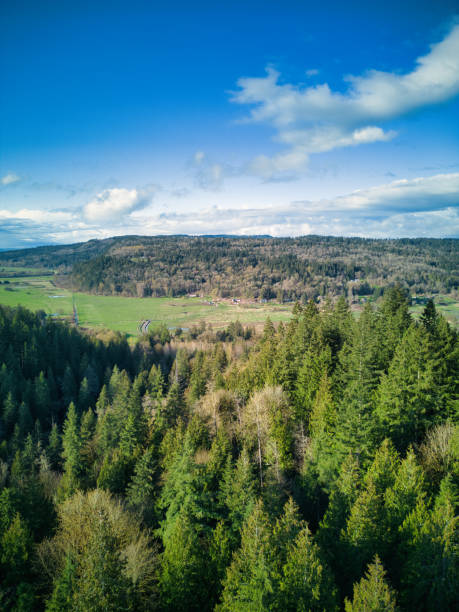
(257, 268)
(313, 467)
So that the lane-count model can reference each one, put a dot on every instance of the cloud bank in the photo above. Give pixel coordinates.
(316, 119)
(424, 206)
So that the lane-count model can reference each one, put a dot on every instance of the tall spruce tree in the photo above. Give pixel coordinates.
(249, 582)
(372, 592)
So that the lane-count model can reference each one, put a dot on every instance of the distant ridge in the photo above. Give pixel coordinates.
(255, 267)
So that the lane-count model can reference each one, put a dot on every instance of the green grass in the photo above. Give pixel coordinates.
(124, 314)
(8, 271)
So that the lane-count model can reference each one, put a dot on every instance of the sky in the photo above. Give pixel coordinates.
(284, 118)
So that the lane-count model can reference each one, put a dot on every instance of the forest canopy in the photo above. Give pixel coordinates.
(312, 467)
(265, 268)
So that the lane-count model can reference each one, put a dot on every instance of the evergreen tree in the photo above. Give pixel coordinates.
(285, 530)
(238, 493)
(42, 399)
(9, 413)
(429, 317)
(15, 552)
(84, 396)
(406, 397)
(25, 420)
(198, 378)
(359, 374)
(322, 428)
(367, 528)
(141, 490)
(342, 498)
(62, 597)
(71, 443)
(115, 472)
(312, 370)
(54, 448)
(305, 583)
(102, 583)
(68, 386)
(155, 382)
(393, 321)
(182, 576)
(372, 592)
(430, 573)
(249, 582)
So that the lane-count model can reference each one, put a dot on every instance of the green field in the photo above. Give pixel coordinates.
(124, 314)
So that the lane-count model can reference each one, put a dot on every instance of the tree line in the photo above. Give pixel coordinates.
(285, 269)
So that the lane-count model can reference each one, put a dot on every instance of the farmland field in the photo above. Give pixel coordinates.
(123, 313)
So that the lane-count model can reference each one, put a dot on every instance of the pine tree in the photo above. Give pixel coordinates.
(249, 582)
(367, 529)
(359, 374)
(343, 496)
(103, 401)
(42, 399)
(15, 552)
(372, 592)
(306, 583)
(173, 406)
(84, 396)
(238, 493)
(54, 448)
(429, 316)
(198, 378)
(312, 370)
(406, 396)
(220, 550)
(430, 572)
(322, 428)
(182, 576)
(25, 420)
(184, 491)
(115, 472)
(71, 443)
(393, 321)
(285, 530)
(141, 490)
(68, 386)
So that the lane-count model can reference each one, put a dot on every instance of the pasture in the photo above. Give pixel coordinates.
(38, 292)
(125, 313)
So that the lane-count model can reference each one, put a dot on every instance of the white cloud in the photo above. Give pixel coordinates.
(9, 178)
(38, 215)
(424, 206)
(317, 119)
(112, 204)
(416, 195)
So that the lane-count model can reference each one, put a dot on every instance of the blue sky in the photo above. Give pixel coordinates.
(282, 118)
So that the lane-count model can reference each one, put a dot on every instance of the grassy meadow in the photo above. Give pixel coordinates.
(123, 313)
(38, 292)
